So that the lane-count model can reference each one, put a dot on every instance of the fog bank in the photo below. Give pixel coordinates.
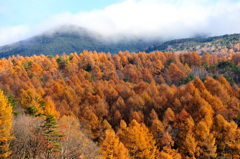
(147, 19)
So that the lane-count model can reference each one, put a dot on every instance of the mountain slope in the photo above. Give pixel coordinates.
(200, 45)
(71, 39)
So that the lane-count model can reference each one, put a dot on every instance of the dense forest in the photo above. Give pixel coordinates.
(214, 44)
(130, 105)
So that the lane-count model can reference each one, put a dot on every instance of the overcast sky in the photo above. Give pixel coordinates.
(166, 19)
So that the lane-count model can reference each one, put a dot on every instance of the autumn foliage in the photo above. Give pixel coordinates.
(130, 105)
(5, 126)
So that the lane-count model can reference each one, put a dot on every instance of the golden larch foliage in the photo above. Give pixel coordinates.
(206, 141)
(187, 69)
(5, 126)
(112, 148)
(50, 107)
(92, 122)
(139, 141)
(31, 98)
(175, 73)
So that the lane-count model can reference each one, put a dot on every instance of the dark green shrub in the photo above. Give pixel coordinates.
(126, 80)
(89, 67)
(215, 77)
(204, 79)
(223, 64)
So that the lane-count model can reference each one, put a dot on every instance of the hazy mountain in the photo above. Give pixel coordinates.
(72, 39)
(75, 39)
(200, 45)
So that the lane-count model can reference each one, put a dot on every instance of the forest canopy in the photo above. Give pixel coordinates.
(130, 105)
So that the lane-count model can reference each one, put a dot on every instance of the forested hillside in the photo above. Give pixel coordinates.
(215, 44)
(130, 105)
(75, 39)
(72, 39)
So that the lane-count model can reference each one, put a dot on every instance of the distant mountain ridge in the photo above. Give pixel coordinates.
(70, 39)
(200, 45)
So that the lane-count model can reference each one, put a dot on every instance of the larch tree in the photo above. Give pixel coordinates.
(35, 69)
(198, 84)
(225, 84)
(187, 69)
(169, 116)
(5, 126)
(92, 122)
(216, 88)
(227, 137)
(139, 141)
(206, 141)
(158, 66)
(31, 102)
(50, 107)
(208, 58)
(195, 58)
(138, 116)
(183, 115)
(157, 129)
(187, 143)
(112, 148)
(214, 101)
(168, 151)
(175, 73)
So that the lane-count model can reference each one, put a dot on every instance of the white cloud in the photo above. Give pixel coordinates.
(13, 34)
(166, 19)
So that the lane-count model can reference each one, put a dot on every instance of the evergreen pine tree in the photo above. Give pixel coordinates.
(52, 135)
